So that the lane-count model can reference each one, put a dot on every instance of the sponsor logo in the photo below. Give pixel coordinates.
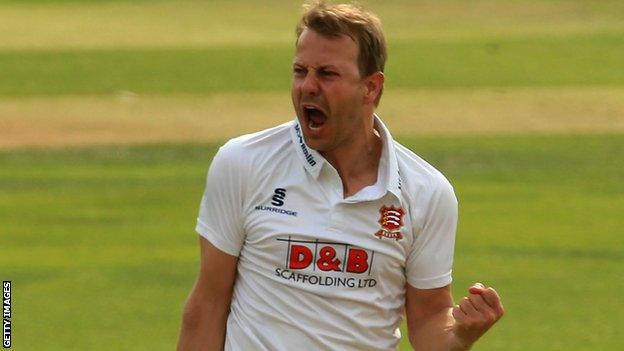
(278, 198)
(304, 148)
(320, 280)
(391, 223)
(325, 263)
(276, 210)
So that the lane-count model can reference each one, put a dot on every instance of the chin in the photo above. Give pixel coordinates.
(313, 143)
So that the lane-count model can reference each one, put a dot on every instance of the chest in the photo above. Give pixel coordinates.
(298, 224)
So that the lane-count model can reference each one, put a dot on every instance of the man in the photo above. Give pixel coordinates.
(320, 234)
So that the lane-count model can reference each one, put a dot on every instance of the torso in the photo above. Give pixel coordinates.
(318, 269)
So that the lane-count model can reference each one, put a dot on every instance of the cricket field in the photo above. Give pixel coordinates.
(111, 111)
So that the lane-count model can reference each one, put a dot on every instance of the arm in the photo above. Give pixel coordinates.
(208, 305)
(435, 324)
(429, 318)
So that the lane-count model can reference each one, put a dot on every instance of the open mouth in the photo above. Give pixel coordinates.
(314, 117)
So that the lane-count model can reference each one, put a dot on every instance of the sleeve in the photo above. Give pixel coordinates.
(220, 213)
(429, 264)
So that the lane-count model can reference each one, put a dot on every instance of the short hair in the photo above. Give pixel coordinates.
(351, 20)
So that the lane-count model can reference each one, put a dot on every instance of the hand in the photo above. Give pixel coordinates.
(475, 314)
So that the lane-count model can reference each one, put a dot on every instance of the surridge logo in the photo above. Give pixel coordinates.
(277, 200)
(391, 223)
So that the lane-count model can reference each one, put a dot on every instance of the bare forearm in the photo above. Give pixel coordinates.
(435, 324)
(435, 333)
(203, 325)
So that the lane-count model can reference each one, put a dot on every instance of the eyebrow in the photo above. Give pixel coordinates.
(319, 68)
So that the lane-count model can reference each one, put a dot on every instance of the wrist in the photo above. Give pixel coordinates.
(456, 344)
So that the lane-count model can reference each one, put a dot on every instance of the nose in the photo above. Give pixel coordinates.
(310, 85)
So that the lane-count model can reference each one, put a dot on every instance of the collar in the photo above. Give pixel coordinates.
(312, 159)
(388, 176)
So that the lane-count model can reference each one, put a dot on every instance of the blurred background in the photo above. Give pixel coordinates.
(110, 112)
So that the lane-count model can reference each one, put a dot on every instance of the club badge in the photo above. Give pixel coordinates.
(391, 223)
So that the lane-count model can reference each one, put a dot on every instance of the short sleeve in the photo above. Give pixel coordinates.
(220, 211)
(429, 264)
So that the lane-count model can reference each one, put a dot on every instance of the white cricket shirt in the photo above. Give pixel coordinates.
(317, 271)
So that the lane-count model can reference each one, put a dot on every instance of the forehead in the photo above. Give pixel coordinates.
(316, 49)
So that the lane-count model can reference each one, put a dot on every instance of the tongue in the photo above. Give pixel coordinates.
(317, 117)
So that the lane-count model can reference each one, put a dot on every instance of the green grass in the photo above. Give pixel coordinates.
(99, 241)
(100, 246)
(557, 61)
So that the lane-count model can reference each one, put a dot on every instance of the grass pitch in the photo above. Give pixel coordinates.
(524, 98)
(132, 118)
(103, 239)
(84, 72)
(593, 60)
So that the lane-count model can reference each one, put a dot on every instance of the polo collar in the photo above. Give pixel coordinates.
(312, 159)
(388, 164)
(389, 177)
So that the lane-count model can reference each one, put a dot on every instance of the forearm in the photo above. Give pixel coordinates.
(435, 333)
(435, 323)
(203, 324)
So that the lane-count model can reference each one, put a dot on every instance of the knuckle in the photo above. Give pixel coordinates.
(456, 310)
(492, 293)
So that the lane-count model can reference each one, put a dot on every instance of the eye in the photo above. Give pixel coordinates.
(298, 71)
(326, 73)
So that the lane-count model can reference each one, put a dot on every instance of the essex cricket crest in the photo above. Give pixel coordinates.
(391, 222)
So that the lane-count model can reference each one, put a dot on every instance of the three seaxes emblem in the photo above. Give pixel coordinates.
(391, 222)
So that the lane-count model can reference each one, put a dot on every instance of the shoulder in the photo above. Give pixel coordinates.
(257, 147)
(417, 173)
(242, 160)
(423, 186)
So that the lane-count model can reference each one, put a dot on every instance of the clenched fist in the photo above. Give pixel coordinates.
(475, 314)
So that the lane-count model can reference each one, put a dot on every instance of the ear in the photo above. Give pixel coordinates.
(373, 85)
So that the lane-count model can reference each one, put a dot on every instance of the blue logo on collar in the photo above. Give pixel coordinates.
(304, 148)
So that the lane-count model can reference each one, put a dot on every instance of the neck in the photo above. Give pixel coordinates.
(357, 162)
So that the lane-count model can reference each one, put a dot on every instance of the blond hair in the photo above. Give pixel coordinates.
(351, 20)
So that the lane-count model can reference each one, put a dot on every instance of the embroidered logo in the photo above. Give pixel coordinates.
(308, 156)
(391, 222)
(278, 198)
